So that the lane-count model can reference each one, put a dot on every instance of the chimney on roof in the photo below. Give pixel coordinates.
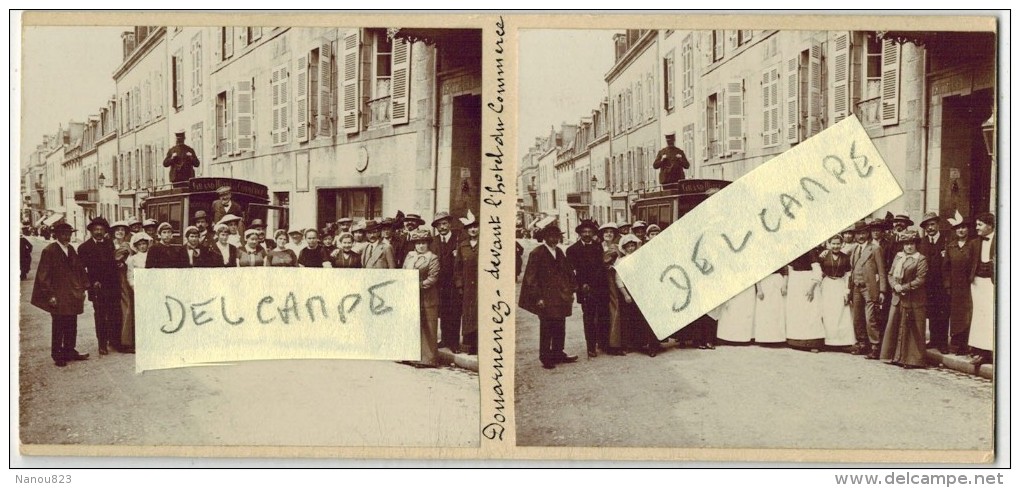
(128, 41)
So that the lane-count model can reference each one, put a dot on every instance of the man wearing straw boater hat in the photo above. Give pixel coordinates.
(444, 245)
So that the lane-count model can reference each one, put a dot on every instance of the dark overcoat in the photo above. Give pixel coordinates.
(550, 280)
(61, 276)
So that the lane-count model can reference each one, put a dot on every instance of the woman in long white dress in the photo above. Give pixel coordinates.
(736, 317)
(836, 318)
(804, 328)
(770, 309)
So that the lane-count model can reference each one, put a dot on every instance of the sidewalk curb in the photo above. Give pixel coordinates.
(960, 363)
(460, 360)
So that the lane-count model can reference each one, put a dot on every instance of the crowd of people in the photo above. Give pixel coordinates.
(103, 268)
(882, 289)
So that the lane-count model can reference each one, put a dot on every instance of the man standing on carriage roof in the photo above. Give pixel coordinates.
(671, 162)
(181, 160)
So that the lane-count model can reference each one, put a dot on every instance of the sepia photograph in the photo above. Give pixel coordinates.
(881, 337)
(149, 150)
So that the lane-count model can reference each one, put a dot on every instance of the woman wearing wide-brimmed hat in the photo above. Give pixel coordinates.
(122, 251)
(610, 235)
(547, 290)
(903, 340)
(466, 279)
(961, 253)
(427, 264)
(637, 333)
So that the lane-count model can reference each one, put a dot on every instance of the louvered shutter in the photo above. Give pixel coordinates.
(284, 105)
(720, 43)
(179, 81)
(792, 107)
(704, 133)
(840, 69)
(735, 116)
(401, 85)
(324, 121)
(228, 123)
(218, 47)
(351, 87)
(244, 114)
(816, 115)
(890, 82)
(301, 99)
(770, 106)
(228, 42)
(274, 83)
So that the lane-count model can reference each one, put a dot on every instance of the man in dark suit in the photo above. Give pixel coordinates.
(867, 292)
(671, 162)
(26, 255)
(97, 254)
(226, 205)
(206, 236)
(60, 285)
(547, 290)
(585, 257)
(444, 245)
(933, 247)
(164, 254)
(181, 160)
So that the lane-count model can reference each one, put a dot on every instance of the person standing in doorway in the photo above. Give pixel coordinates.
(982, 290)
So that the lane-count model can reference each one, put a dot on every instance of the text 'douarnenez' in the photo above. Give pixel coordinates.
(758, 224)
(206, 316)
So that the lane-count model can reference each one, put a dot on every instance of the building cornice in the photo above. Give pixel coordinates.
(636, 50)
(140, 51)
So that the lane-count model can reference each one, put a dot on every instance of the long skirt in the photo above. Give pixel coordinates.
(803, 317)
(903, 341)
(429, 330)
(736, 317)
(127, 312)
(770, 311)
(615, 322)
(982, 321)
(836, 318)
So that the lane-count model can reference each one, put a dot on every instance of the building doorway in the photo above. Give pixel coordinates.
(356, 203)
(466, 153)
(966, 164)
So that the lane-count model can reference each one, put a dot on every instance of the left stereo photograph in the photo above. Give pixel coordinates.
(159, 164)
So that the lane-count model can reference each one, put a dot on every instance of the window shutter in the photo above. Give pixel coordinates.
(747, 34)
(651, 96)
(732, 37)
(400, 86)
(735, 116)
(228, 123)
(275, 86)
(840, 69)
(351, 90)
(704, 133)
(138, 106)
(890, 82)
(816, 115)
(324, 121)
(301, 99)
(792, 108)
(179, 82)
(284, 105)
(244, 114)
(770, 106)
(218, 47)
(720, 44)
(228, 42)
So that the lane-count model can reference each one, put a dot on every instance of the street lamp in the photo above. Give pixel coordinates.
(595, 183)
(102, 181)
(988, 131)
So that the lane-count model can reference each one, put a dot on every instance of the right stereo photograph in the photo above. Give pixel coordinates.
(882, 337)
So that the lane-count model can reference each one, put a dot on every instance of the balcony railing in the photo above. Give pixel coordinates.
(579, 199)
(86, 196)
(379, 111)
